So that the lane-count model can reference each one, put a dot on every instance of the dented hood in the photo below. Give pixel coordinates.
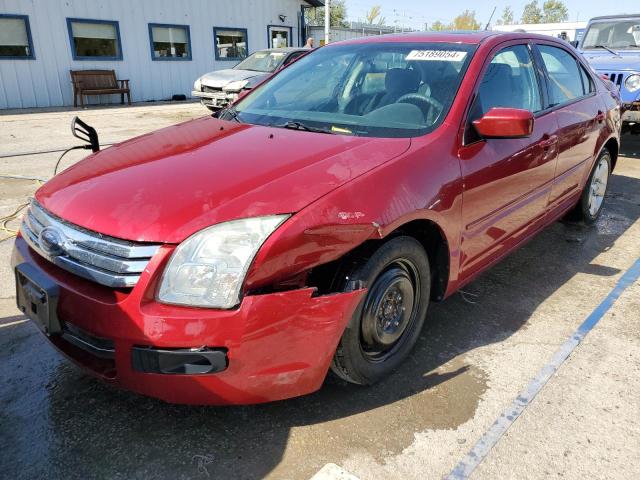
(167, 185)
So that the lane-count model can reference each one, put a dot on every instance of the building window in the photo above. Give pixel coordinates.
(230, 43)
(170, 42)
(279, 37)
(15, 37)
(94, 39)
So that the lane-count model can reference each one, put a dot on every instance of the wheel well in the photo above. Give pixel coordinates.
(330, 277)
(613, 147)
(437, 248)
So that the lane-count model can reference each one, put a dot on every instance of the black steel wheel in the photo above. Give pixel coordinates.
(390, 307)
(386, 325)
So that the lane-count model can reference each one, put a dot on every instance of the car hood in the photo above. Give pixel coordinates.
(167, 185)
(604, 61)
(220, 78)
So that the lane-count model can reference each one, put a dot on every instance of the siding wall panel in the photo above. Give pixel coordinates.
(45, 81)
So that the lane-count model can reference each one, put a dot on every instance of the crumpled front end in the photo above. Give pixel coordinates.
(221, 88)
(213, 97)
(631, 112)
(273, 346)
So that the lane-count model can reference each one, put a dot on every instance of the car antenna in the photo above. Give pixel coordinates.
(486, 27)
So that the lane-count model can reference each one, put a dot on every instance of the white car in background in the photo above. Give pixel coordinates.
(219, 88)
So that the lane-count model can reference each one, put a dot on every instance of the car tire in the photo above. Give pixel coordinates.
(592, 199)
(386, 324)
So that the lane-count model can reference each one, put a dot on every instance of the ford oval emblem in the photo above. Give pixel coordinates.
(52, 241)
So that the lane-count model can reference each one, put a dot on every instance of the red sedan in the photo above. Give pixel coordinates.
(237, 259)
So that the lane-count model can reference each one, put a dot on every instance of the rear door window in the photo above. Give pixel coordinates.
(566, 80)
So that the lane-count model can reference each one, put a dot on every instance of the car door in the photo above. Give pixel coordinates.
(506, 181)
(572, 95)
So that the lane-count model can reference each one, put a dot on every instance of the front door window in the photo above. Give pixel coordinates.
(510, 82)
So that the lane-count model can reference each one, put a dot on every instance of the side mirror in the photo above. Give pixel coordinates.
(84, 132)
(505, 123)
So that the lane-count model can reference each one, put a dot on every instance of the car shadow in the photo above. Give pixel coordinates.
(630, 143)
(57, 422)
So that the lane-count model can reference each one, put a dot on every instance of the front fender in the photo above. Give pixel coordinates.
(422, 184)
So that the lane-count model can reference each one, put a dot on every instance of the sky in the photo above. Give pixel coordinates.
(415, 13)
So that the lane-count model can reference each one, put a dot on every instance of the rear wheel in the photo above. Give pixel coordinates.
(591, 202)
(386, 325)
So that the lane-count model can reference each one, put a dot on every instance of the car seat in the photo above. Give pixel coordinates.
(497, 89)
(397, 82)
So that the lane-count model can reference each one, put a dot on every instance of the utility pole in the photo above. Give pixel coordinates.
(327, 20)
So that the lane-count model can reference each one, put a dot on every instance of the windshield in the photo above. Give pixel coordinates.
(618, 35)
(264, 61)
(373, 89)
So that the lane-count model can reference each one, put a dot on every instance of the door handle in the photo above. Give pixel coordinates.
(600, 116)
(548, 141)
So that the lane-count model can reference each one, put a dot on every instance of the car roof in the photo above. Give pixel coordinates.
(465, 37)
(283, 49)
(615, 17)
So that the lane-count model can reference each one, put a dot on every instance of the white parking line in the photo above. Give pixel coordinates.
(481, 449)
(17, 322)
(331, 471)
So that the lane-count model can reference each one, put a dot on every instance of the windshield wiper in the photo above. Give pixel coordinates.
(294, 125)
(608, 50)
(230, 114)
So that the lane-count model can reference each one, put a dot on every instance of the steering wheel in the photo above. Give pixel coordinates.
(428, 105)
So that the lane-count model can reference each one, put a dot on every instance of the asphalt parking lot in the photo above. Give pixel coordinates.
(479, 349)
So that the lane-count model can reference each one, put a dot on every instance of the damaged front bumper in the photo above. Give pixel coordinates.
(273, 346)
(217, 99)
(631, 112)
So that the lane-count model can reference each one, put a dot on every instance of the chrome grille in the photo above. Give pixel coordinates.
(105, 260)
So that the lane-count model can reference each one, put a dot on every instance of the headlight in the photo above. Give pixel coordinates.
(235, 86)
(197, 86)
(208, 268)
(632, 82)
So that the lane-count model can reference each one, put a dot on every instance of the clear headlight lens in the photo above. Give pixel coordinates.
(632, 82)
(197, 86)
(208, 268)
(235, 86)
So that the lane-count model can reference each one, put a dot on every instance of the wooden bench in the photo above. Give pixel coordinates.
(98, 82)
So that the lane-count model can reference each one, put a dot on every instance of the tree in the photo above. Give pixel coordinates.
(438, 26)
(337, 14)
(554, 11)
(466, 21)
(531, 13)
(507, 17)
(373, 14)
